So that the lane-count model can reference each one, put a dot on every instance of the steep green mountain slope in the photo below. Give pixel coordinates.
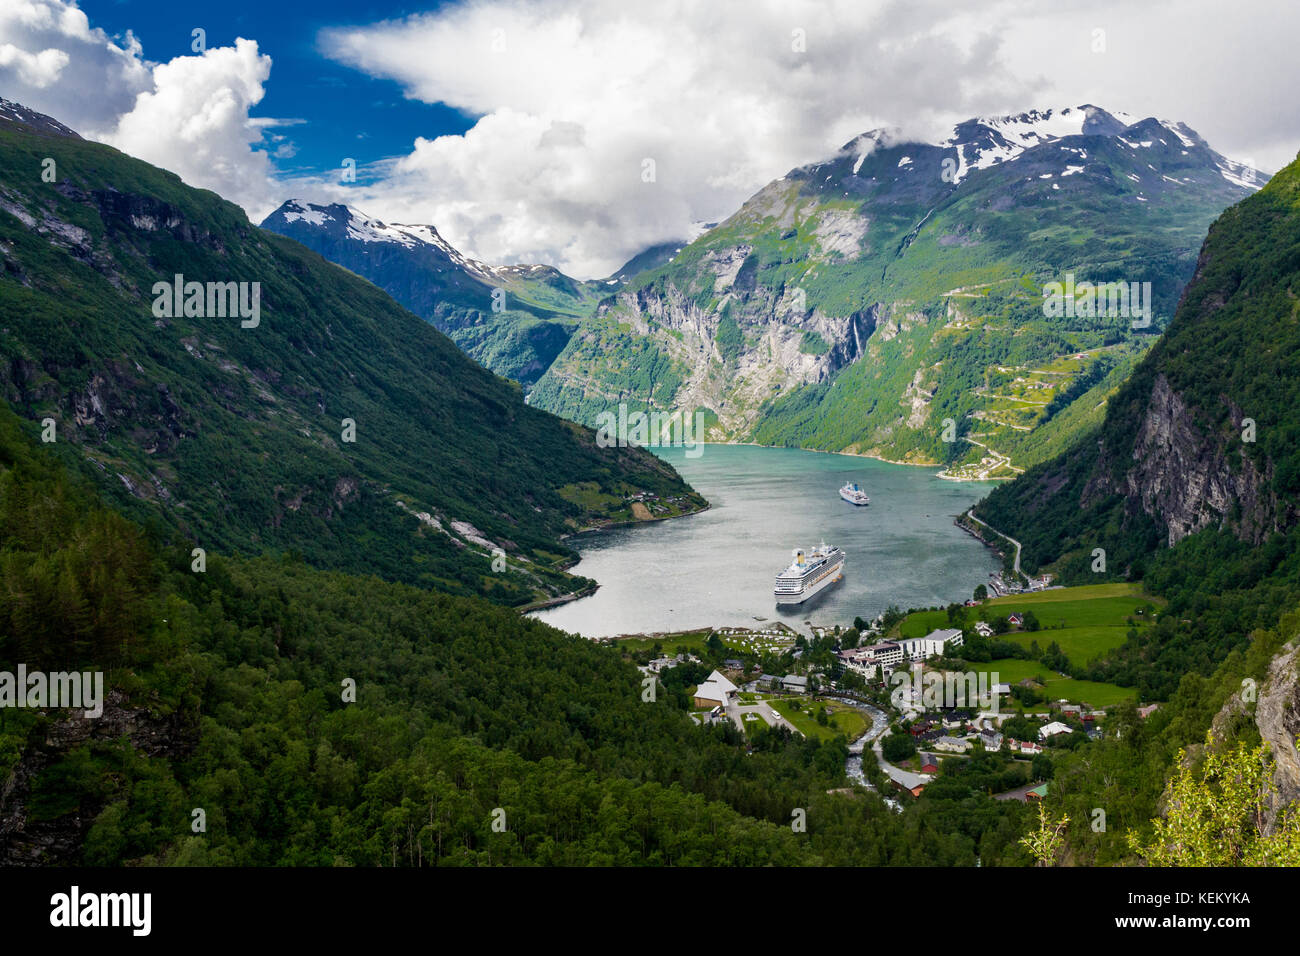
(341, 426)
(513, 319)
(859, 303)
(1205, 434)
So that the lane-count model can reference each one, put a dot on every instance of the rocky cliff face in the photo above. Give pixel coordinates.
(25, 841)
(1205, 433)
(755, 342)
(1278, 718)
(1188, 477)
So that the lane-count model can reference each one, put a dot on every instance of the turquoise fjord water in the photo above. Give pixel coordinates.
(717, 568)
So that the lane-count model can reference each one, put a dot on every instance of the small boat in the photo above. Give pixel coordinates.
(854, 495)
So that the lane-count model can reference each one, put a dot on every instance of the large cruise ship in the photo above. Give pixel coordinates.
(854, 495)
(809, 574)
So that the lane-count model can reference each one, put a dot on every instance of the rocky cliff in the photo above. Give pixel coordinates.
(1278, 717)
(29, 838)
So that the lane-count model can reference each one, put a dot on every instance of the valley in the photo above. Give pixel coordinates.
(361, 576)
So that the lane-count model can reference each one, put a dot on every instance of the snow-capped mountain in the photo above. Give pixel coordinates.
(17, 113)
(984, 142)
(513, 318)
(339, 222)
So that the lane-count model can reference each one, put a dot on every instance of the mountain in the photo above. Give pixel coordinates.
(857, 304)
(1190, 483)
(652, 258)
(1202, 439)
(297, 409)
(513, 319)
(222, 692)
(11, 112)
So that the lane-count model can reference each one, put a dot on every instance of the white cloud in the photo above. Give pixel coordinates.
(37, 70)
(195, 122)
(52, 61)
(190, 115)
(574, 96)
(1227, 70)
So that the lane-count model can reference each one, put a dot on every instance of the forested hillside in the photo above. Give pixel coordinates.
(227, 695)
(333, 424)
(1190, 484)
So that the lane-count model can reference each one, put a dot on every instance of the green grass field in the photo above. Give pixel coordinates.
(843, 720)
(1009, 670)
(1087, 622)
(1088, 606)
(921, 623)
(1080, 644)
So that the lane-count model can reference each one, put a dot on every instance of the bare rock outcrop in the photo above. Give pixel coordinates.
(1278, 718)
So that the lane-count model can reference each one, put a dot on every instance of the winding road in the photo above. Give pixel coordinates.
(1015, 566)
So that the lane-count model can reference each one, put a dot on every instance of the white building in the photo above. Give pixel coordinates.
(932, 645)
(1054, 728)
(865, 660)
(714, 692)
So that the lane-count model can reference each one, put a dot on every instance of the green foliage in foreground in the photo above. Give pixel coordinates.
(1213, 817)
(462, 709)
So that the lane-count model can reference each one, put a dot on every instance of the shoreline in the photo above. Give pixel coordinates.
(635, 522)
(572, 596)
(557, 601)
(942, 473)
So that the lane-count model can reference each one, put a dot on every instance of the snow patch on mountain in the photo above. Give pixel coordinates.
(1240, 174)
(358, 226)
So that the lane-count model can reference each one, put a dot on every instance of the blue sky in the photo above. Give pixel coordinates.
(345, 113)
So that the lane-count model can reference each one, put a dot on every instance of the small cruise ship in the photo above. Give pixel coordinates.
(809, 574)
(854, 495)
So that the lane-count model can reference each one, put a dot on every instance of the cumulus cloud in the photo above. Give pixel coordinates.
(53, 61)
(195, 122)
(189, 115)
(604, 128)
(600, 128)
(37, 70)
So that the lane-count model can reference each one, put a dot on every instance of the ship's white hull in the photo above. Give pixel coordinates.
(813, 588)
(864, 500)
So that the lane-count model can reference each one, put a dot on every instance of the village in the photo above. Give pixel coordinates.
(990, 676)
